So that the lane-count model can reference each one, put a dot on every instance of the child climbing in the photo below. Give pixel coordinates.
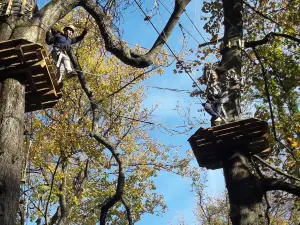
(61, 45)
(215, 98)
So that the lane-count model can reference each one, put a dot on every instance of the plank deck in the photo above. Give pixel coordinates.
(214, 144)
(21, 57)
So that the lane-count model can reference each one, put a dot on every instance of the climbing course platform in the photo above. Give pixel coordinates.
(29, 60)
(213, 145)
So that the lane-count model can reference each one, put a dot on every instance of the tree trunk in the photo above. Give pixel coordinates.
(245, 192)
(12, 106)
(231, 56)
(244, 188)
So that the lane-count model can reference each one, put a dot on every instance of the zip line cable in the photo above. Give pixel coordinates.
(169, 89)
(180, 25)
(178, 60)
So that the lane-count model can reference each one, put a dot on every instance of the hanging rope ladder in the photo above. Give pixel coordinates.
(21, 57)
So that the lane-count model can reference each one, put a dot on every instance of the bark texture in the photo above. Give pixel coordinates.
(231, 57)
(245, 191)
(244, 188)
(11, 148)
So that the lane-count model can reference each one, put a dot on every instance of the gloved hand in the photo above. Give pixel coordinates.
(84, 32)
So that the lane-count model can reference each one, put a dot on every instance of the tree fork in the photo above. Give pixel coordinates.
(12, 101)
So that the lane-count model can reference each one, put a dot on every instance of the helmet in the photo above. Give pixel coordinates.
(70, 27)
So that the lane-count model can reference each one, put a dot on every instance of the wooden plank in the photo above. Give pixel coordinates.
(14, 61)
(232, 137)
(245, 135)
(8, 52)
(39, 78)
(31, 108)
(233, 124)
(29, 79)
(13, 43)
(52, 74)
(32, 47)
(39, 86)
(41, 54)
(48, 95)
(38, 69)
(241, 127)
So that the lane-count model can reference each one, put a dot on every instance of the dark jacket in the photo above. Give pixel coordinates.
(61, 41)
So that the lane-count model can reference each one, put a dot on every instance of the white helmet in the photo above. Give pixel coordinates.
(70, 27)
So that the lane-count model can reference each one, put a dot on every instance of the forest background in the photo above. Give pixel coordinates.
(177, 111)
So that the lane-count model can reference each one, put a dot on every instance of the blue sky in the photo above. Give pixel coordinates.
(176, 190)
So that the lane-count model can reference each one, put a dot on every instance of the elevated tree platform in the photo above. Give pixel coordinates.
(211, 146)
(21, 58)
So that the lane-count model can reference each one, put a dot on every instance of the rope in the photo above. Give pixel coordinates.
(179, 61)
(180, 25)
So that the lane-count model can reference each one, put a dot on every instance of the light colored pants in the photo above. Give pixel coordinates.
(63, 63)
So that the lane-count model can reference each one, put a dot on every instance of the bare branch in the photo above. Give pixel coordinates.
(129, 83)
(273, 184)
(275, 169)
(210, 43)
(118, 47)
(44, 19)
(51, 187)
(268, 37)
(128, 211)
(261, 14)
(64, 210)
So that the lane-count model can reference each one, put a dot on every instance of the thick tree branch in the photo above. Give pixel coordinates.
(118, 47)
(44, 18)
(273, 184)
(275, 169)
(64, 209)
(51, 187)
(86, 89)
(268, 37)
(111, 201)
(128, 211)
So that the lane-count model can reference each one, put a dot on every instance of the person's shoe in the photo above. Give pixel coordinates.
(216, 122)
(218, 119)
(71, 74)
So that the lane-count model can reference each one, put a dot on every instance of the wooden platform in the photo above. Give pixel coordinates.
(23, 58)
(215, 144)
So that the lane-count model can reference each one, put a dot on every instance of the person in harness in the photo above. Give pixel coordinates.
(215, 97)
(61, 45)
